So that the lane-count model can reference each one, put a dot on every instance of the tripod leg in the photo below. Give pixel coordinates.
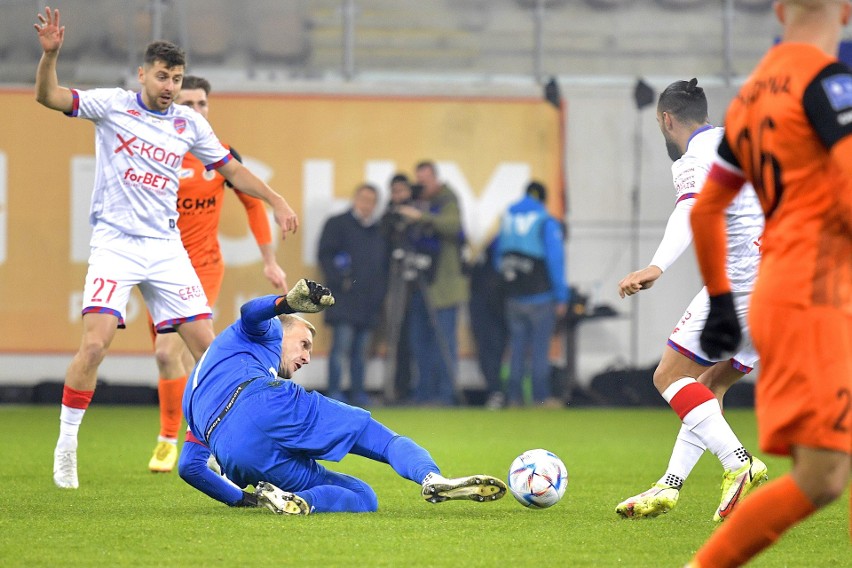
(394, 313)
(443, 345)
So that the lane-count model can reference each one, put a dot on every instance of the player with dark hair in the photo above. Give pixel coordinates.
(193, 83)
(141, 139)
(788, 132)
(269, 432)
(201, 194)
(691, 380)
(166, 52)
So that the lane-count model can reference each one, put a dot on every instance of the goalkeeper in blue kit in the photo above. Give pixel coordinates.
(250, 426)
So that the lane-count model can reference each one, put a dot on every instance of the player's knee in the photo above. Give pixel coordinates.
(830, 491)
(165, 356)
(369, 500)
(822, 484)
(662, 380)
(93, 349)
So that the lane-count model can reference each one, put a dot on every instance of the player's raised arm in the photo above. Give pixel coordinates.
(48, 91)
(259, 225)
(244, 180)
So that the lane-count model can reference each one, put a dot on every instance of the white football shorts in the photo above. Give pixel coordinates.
(160, 267)
(685, 339)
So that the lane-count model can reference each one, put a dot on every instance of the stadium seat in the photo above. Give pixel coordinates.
(279, 31)
(209, 31)
(17, 38)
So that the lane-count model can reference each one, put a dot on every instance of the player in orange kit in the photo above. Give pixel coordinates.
(789, 133)
(200, 197)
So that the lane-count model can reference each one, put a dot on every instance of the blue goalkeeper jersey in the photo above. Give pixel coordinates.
(250, 348)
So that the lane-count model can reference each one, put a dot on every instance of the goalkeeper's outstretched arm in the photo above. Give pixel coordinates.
(193, 469)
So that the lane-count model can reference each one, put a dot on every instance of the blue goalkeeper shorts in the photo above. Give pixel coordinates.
(276, 430)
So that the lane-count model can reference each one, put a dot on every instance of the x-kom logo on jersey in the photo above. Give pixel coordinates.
(148, 151)
(125, 145)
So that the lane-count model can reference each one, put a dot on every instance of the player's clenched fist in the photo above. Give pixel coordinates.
(306, 296)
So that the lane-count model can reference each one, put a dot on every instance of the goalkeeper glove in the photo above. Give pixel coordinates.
(722, 330)
(248, 500)
(306, 296)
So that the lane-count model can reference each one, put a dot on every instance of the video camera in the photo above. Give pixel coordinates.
(411, 264)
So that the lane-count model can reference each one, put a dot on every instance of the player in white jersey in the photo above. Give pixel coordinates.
(692, 382)
(141, 139)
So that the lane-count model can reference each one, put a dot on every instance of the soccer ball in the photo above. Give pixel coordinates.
(538, 479)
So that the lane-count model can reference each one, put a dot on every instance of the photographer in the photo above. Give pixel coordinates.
(436, 234)
(395, 230)
(393, 225)
(353, 257)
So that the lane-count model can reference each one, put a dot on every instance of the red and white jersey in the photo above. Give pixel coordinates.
(138, 154)
(744, 214)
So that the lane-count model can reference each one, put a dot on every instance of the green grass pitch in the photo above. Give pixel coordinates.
(125, 516)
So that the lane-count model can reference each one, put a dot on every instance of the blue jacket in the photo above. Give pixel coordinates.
(531, 254)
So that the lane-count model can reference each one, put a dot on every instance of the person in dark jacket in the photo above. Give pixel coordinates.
(354, 263)
(488, 325)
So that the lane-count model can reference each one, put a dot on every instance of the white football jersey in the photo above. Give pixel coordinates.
(744, 215)
(138, 154)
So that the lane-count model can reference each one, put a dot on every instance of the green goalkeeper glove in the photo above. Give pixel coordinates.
(306, 296)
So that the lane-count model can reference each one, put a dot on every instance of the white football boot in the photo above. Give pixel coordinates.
(65, 469)
(280, 502)
(437, 488)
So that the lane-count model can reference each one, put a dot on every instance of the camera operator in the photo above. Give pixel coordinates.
(395, 230)
(436, 234)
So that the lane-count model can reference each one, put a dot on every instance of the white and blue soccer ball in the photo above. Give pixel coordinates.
(538, 479)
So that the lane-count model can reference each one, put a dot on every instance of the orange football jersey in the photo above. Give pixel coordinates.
(787, 132)
(200, 197)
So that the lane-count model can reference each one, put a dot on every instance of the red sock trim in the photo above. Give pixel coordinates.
(689, 397)
(190, 437)
(74, 398)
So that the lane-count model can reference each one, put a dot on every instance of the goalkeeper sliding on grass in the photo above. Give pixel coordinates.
(269, 432)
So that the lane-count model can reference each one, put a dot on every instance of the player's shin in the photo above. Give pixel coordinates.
(698, 409)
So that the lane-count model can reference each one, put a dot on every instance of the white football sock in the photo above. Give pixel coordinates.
(721, 440)
(702, 415)
(69, 425)
(433, 477)
(687, 450)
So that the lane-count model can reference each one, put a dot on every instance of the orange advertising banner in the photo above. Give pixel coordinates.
(314, 150)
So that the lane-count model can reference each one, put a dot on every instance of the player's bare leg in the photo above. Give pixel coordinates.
(198, 335)
(80, 380)
(169, 350)
(720, 378)
(98, 333)
(821, 474)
